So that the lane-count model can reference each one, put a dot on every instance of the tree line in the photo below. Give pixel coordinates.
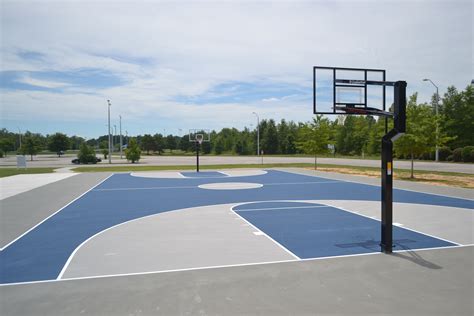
(451, 130)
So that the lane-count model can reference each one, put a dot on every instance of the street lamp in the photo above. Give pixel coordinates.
(120, 116)
(113, 136)
(258, 133)
(436, 110)
(19, 135)
(110, 141)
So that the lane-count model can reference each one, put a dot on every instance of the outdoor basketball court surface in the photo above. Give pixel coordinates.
(141, 225)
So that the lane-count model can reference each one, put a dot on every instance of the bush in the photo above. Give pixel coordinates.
(1, 154)
(427, 156)
(450, 158)
(457, 155)
(86, 154)
(468, 154)
(444, 153)
(133, 152)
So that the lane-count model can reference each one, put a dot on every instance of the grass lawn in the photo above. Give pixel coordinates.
(6, 172)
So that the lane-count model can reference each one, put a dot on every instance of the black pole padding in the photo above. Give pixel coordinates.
(400, 103)
(387, 191)
(399, 127)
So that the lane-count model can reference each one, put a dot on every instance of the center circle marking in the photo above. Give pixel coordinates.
(230, 186)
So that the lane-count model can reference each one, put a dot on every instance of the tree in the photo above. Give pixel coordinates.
(6, 145)
(148, 143)
(30, 145)
(76, 142)
(420, 126)
(160, 143)
(171, 142)
(219, 145)
(86, 154)
(314, 137)
(58, 143)
(104, 146)
(133, 152)
(270, 138)
(457, 119)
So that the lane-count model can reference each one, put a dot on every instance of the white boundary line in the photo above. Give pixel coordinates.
(51, 215)
(224, 266)
(263, 233)
(378, 186)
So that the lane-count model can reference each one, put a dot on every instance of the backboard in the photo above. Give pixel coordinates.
(355, 91)
(199, 135)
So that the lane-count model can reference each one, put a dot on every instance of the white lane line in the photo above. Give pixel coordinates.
(281, 208)
(13, 241)
(263, 233)
(226, 266)
(149, 188)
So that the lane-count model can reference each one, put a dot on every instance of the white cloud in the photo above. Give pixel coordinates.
(193, 46)
(41, 83)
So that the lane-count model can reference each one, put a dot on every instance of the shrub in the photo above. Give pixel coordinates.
(1, 154)
(86, 154)
(133, 152)
(450, 158)
(457, 155)
(468, 154)
(444, 153)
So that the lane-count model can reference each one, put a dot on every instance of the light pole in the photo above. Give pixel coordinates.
(19, 135)
(110, 141)
(258, 133)
(120, 116)
(436, 110)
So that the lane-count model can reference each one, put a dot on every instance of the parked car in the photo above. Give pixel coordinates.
(96, 160)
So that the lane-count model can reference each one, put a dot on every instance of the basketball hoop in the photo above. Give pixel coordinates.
(199, 138)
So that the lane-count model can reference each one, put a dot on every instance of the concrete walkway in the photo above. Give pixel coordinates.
(13, 185)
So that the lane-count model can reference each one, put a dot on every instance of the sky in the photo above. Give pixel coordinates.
(171, 66)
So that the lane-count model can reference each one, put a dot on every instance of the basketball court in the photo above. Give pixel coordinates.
(154, 223)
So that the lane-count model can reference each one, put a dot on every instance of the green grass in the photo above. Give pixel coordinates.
(6, 172)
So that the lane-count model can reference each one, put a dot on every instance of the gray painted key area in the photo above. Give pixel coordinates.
(189, 238)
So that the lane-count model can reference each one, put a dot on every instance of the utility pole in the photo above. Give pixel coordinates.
(436, 109)
(120, 116)
(19, 136)
(258, 133)
(110, 142)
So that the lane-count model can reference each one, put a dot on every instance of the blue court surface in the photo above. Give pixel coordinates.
(307, 230)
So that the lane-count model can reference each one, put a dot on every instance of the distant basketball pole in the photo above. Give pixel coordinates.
(258, 133)
(436, 109)
(110, 143)
(120, 116)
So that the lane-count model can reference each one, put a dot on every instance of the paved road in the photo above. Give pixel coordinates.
(53, 161)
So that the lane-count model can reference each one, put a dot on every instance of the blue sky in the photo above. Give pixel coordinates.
(173, 66)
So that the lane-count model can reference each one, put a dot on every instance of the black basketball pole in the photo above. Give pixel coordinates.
(197, 156)
(399, 127)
